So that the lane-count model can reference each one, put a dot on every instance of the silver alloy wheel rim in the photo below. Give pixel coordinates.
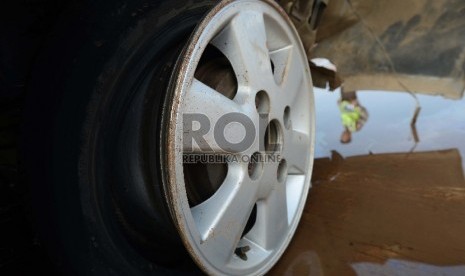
(252, 35)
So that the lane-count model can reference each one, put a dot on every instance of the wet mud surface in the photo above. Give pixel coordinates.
(390, 202)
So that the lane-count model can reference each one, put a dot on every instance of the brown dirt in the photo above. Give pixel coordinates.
(378, 207)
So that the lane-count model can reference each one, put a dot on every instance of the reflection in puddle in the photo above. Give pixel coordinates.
(440, 125)
(385, 199)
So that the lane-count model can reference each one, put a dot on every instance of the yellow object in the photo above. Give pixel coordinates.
(350, 115)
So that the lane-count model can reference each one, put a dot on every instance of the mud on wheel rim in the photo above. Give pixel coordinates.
(270, 76)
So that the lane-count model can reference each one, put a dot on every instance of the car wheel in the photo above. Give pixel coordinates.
(104, 141)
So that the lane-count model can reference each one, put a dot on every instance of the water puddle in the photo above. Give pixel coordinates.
(392, 200)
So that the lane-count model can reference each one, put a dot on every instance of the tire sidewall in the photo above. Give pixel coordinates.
(77, 73)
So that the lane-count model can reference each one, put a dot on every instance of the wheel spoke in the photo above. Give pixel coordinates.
(243, 42)
(272, 219)
(222, 218)
(294, 189)
(280, 58)
(205, 106)
(295, 150)
(292, 76)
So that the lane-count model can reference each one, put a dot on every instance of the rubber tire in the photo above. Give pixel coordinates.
(91, 136)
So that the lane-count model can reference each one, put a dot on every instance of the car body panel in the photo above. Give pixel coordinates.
(415, 46)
